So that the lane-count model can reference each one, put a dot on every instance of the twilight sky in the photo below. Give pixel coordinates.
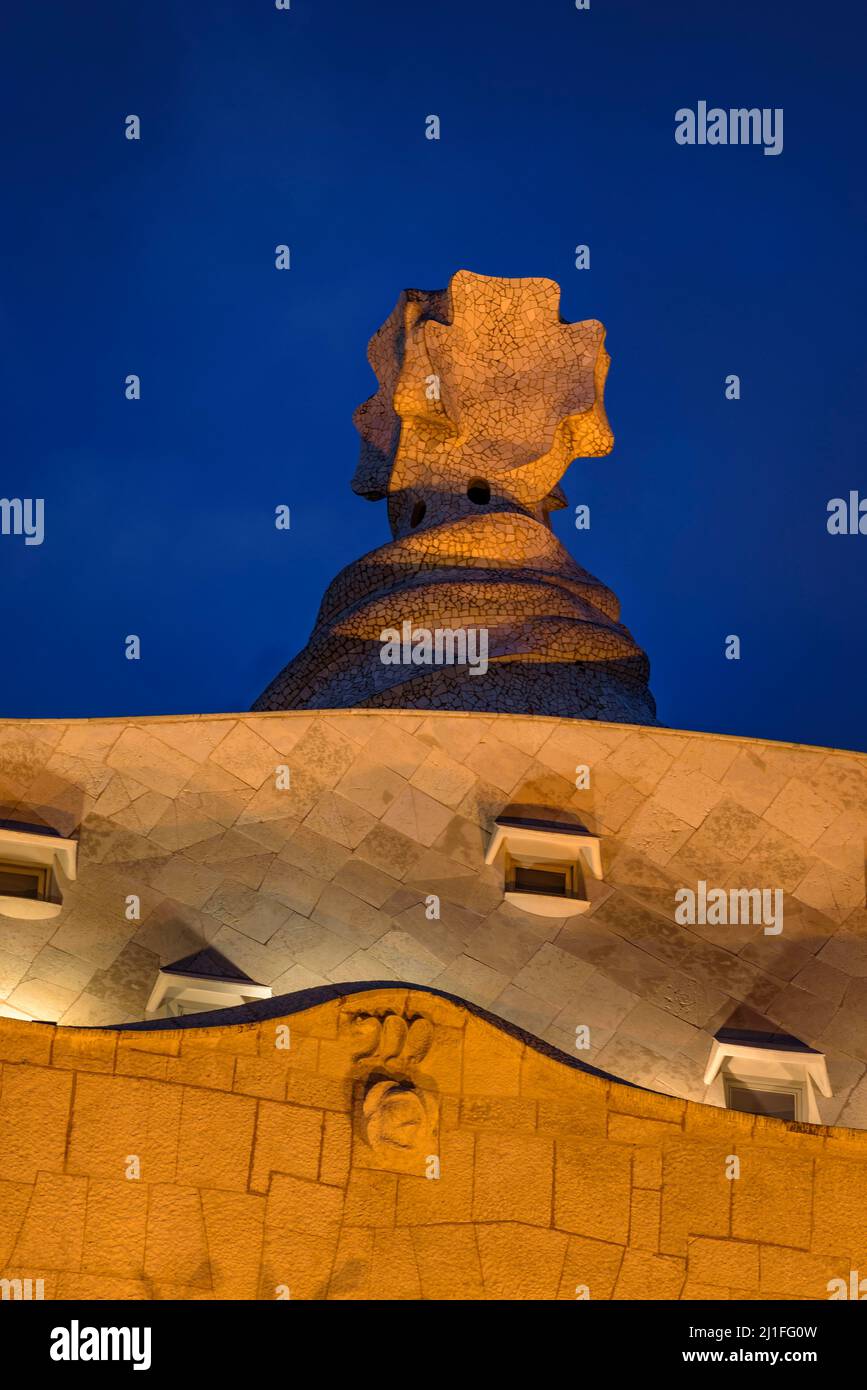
(307, 127)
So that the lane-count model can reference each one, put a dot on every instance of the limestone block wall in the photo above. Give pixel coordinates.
(267, 1171)
(327, 881)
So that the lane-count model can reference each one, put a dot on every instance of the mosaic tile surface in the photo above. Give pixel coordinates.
(485, 397)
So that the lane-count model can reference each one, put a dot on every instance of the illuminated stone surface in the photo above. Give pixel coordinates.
(256, 1179)
(484, 393)
(327, 880)
(408, 1146)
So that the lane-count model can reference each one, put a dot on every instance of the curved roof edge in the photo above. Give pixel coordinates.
(284, 1005)
(362, 711)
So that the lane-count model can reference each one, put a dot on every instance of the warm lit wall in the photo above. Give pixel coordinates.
(327, 881)
(254, 1172)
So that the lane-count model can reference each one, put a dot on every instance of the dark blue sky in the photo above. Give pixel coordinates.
(307, 127)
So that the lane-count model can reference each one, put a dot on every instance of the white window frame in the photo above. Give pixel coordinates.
(28, 849)
(205, 991)
(533, 846)
(787, 1071)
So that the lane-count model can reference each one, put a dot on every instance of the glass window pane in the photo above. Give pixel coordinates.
(780, 1105)
(540, 880)
(19, 883)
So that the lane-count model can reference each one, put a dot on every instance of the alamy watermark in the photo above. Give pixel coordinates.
(856, 1288)
(847, 516)
(441, 646)
(715, 907)
(737, 126)
(23, 516)
(22, 1289)
(77, 1343)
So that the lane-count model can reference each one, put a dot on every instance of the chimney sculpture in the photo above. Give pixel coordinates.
(485, 397)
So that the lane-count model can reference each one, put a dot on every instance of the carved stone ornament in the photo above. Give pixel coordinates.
(395, 1115)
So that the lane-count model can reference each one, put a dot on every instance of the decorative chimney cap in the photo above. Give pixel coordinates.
(485, 396)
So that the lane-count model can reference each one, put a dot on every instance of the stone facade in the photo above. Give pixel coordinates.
(327, 881)
(454, 1093)
(258, 1177)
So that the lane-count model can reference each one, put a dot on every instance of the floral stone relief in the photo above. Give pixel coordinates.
(395, 1117)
